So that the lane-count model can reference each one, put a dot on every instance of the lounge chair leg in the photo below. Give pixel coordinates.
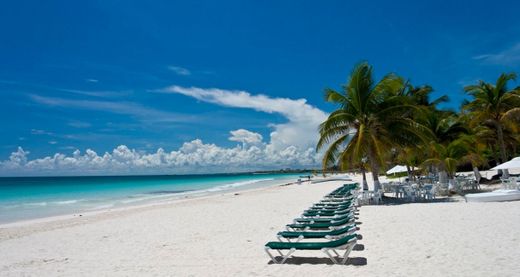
(288, 255)
(326, 251)
(273, 258)
(347, 252)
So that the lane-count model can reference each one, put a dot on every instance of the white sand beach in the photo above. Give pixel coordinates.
(224, 235)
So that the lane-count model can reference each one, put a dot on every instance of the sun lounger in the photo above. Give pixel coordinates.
(332, 204)
(327, 208)
(346, 243)
(320, 219)
(322, 225)
(327, 213)
(330, 235)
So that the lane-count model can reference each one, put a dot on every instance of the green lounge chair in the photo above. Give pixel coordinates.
(330, 235)
(326, 213)
(326, 208)
(333, 204)
(345, 202)
(320, 219)
(321, 225)
(331, 211)
(346, 243)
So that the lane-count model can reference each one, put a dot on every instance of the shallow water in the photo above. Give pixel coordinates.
(24, 198)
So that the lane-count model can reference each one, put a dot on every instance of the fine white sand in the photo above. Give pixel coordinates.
(224, 235)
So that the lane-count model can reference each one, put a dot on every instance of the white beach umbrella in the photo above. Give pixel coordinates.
(397, 169)
(514, 163)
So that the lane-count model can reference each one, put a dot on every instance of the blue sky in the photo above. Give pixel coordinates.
(100, 74)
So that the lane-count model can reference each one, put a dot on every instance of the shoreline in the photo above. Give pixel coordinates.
(172, 199)
(162, 199)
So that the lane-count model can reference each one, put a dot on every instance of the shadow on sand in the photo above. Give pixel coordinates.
(357, 261)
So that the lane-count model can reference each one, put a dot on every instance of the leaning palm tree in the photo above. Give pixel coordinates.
(475, 153)
(368, 122)
(448, 156)
(412, 157)
(444, 127)
(496, 106)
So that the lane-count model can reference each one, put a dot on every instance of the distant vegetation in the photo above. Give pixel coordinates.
(382, 123)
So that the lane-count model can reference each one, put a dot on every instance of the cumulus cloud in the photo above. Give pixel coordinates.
(303, 119)
(192, 157)
(245, 136)
(16, 159)
(510, 56)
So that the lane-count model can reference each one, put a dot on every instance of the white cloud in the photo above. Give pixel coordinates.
(510, 56)
(192, 157)
(16, 160)
(245, 136)
(300, 131)
(92, 80)
(179, 70)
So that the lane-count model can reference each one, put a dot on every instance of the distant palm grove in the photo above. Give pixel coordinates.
(379, 124)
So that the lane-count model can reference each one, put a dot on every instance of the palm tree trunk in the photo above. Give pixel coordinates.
(375, 177)
(477, 176)
(443, 177)
(365, 184)
(501, 144)
(476, 172)
(375, 169)
(496, 155)
(411, 176)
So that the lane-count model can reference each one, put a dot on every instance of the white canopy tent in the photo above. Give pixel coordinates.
(397, 169)
(513, 163)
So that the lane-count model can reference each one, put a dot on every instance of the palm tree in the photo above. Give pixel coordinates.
(495, 106)
(448, 156)
(421, 95)
(475, 153)
(414, 154)
(368, 122)
(444, 128)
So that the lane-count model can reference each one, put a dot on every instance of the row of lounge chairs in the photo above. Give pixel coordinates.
(328, 226)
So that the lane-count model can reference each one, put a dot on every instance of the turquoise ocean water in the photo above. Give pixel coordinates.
(24, 198)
